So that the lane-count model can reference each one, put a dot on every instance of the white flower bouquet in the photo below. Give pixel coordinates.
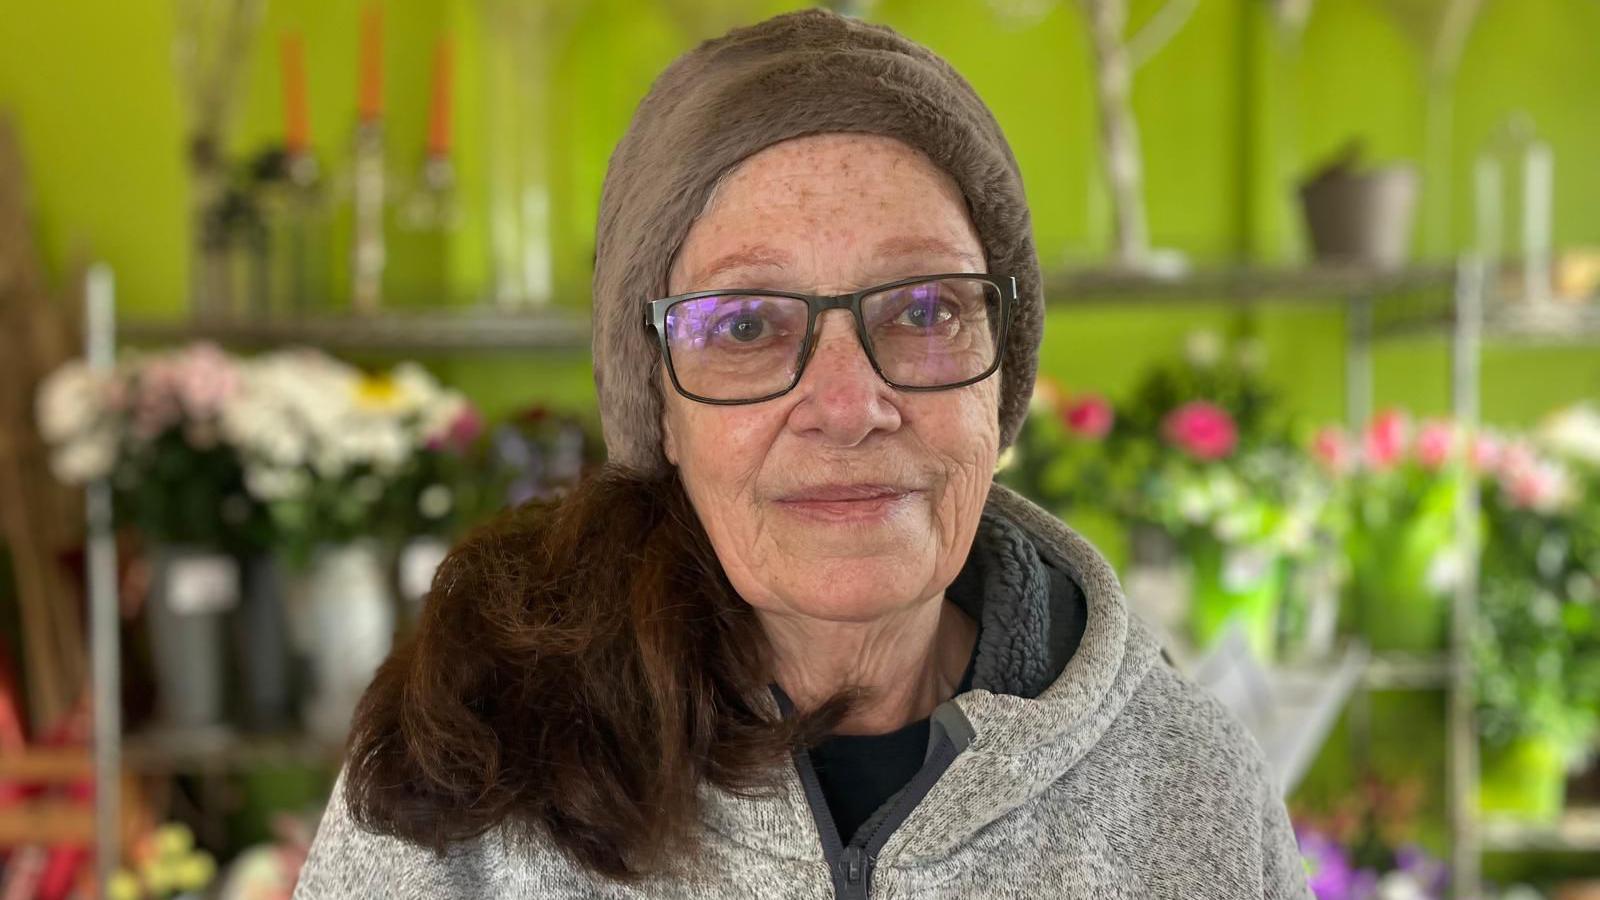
(153, 425)
(291, 446)
(326, 447)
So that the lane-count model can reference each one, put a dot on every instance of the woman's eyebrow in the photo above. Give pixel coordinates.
(753, 256)
(920, 245)
(762, 256)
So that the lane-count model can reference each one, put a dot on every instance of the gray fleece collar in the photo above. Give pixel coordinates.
(1006, 588)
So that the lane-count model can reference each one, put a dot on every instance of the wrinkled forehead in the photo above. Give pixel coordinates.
(831, 207)
(843, 158)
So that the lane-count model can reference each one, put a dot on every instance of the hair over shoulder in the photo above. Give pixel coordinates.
(580, 667)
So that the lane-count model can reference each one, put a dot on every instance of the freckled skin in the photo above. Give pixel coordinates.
(858, 602)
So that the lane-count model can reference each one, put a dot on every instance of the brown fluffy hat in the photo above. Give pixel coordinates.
(801, 73)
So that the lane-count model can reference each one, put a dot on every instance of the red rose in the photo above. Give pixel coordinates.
(1332, 448)
(1203, 430)
(1090, 416)
(1386, 439)
(1435, 443)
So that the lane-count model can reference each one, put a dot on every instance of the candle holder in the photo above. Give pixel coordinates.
(294, 212)
(1513, 183)
(367, 250)
(519, 37)
(430, 204)
(209, 50)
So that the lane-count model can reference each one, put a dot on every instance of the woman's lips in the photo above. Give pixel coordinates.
(846, 502)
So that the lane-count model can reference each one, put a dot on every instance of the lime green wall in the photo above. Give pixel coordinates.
(1230, 112)
(93, 93)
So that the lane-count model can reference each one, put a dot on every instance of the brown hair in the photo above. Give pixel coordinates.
(579, 669)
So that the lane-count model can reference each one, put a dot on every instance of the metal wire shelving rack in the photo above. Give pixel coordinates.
(1377, 305)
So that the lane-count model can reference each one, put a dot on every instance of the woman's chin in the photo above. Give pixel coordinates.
(857, 544)
(854, 590)
(853, 605)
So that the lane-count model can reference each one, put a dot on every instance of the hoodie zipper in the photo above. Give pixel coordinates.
(852, 864)
(857, 869)
(849, 867)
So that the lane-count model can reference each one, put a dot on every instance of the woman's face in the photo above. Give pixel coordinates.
(844, 499)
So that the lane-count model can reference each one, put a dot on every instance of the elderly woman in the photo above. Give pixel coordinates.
(794, 642)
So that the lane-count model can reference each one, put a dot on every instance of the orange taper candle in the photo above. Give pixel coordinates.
(296, 121)
(370, 104)
(439, 113)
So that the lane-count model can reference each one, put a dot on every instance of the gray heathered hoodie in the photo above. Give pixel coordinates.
(1094, 772)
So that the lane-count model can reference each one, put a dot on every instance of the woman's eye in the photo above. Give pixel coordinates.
(743, 327)
(925, 314)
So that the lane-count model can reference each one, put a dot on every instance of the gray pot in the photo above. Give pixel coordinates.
(1361, 218)
(192, 592)
(261, 646)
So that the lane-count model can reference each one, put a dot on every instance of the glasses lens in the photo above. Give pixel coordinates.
(934, 333)
(737, 346)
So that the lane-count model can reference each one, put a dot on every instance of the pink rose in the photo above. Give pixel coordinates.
(458, 434)
(1516, 460)
(204, 379)
(1090, 416)
(114, 391)
(1540, 486)
(1386, 439)
(155, 401)
(1436, 441)
(1203, 430)
(464, 429)
(1484, 455)
(1332, 448)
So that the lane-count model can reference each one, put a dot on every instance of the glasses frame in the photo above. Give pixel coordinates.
(817, 304)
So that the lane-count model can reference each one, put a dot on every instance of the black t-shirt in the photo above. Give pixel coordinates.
(859, 772)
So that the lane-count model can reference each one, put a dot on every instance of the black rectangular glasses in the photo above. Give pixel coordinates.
(928, 333)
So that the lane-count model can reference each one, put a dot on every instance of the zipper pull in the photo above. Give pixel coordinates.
(855, 865)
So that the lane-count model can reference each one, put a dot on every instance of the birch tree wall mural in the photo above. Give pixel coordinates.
(1117, 58)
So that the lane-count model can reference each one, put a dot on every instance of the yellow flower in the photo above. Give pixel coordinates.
(158, 877)
(173, 840)
(378, 393)
(194, 872)
(123, 886)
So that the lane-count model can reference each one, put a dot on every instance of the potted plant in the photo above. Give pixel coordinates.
(152, 426)
(1365, 848)
(166, 865)
(1359, 215)
(539, 453)
(325, 448)
(1538, 645)
(1199, 466)
(448, 484)
(1402, 484)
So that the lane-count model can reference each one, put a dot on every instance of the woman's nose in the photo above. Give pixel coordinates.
(842, 398)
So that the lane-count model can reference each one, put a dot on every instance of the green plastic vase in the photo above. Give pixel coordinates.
(1223, 591)
(1526, 780)
(1395, 598)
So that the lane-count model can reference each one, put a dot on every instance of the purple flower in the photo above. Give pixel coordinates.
(1429, 872)
(1327, 865)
